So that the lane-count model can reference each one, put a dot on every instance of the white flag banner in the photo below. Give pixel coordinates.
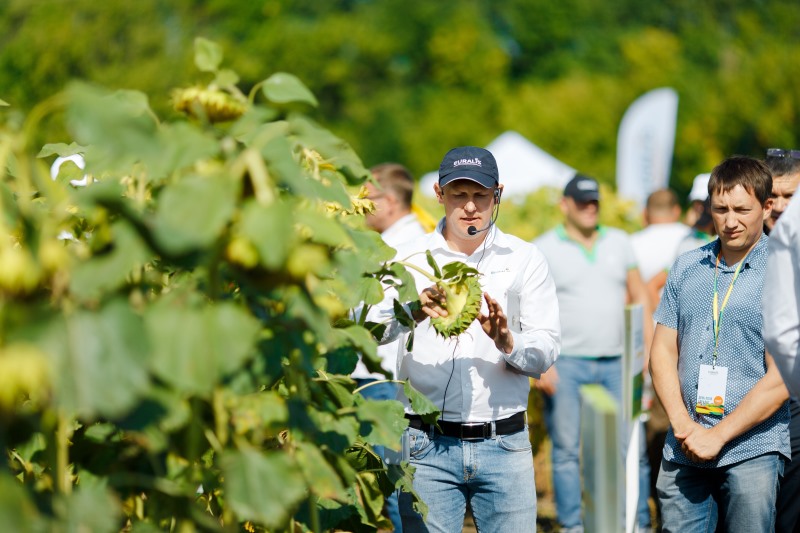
(645, 143)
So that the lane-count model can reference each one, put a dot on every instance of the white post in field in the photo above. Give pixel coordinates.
(600, 460)
(632, 386)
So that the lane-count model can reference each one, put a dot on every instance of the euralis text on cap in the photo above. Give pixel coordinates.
(476, 162)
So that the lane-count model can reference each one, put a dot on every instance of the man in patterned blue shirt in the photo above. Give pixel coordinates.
(725, 450)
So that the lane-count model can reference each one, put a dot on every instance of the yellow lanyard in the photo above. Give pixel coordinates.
(717, 313)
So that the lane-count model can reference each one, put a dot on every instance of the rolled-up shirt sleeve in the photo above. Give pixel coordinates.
(537, 336)
(781, 296)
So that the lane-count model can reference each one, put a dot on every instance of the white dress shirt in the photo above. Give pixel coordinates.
(468, 378)
(656, 247)
(781, 297)
(404, 229)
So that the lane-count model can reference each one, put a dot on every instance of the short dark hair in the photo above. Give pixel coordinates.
(782, 164)
(752, 174)
(396, 178)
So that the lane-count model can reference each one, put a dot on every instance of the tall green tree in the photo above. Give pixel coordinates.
(407, 80)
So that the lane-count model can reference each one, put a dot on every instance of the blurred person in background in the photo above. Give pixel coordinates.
(697, 196)
(656, 246)
(702, 232)
(393, 197)
(780, 306)
(595, 272)
(728, 437)
(785, 168)
(392, 194)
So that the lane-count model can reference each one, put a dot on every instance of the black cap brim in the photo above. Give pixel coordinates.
(586, 196)
(478, 177)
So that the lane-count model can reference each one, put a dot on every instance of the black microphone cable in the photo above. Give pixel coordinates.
(492, 223)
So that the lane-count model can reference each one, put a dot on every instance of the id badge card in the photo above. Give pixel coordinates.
(711, 387)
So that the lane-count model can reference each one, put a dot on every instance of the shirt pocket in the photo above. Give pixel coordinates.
(499, 283)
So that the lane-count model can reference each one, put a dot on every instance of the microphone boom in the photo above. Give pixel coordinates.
(472, 230)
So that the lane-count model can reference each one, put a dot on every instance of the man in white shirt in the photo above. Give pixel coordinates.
(479, 453)
(656, 245)
(392, 194)
(780, 302)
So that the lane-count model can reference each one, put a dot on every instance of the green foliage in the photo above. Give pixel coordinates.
(387, 76)
(173, 347)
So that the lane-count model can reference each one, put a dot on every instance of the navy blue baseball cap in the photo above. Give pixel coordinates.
(469, 162)
(582, 188)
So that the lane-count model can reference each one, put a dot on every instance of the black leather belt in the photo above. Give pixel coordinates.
(471, 430)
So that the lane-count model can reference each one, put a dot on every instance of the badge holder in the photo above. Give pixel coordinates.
(711, 386)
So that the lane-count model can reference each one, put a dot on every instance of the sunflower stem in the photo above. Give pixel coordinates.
(438, 281)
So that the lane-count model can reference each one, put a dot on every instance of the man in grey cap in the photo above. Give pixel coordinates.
(594, 268)
(478, 454)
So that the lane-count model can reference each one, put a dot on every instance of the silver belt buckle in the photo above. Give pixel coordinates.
(472, 425)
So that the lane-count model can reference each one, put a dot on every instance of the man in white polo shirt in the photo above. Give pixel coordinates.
(595, 272)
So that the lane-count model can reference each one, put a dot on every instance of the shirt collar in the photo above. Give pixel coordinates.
(756, 257)
(495, 238)
(400, 224)
(561, 231)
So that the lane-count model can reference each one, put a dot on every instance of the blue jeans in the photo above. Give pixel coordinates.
(741, 497)
(788, 503)
(562, 418)
(384, 391)
(493, 476)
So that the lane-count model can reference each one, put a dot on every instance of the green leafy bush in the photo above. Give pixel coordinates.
(174, 341)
